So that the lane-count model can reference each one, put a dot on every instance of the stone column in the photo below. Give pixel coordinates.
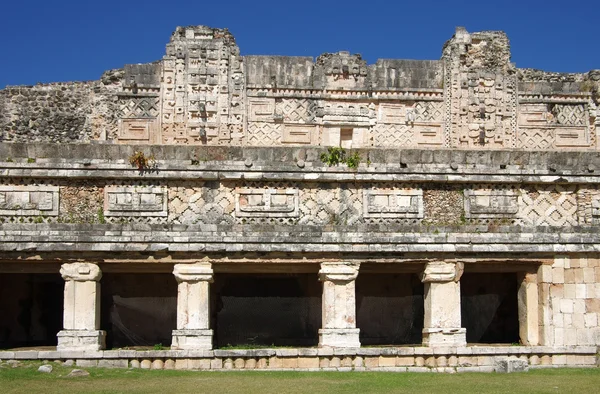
(193, 306)
(339, 305)
(81, 319)
(442, 323)
(528, 309)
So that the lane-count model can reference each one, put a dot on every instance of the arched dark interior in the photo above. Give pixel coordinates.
(266, 309)
(389, 309)
(31, 309)
(138, 309)
(489, 307)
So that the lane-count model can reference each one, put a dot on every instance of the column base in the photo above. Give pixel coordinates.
(81, 340)
(192, 339)
(444, 337)
(339, 337)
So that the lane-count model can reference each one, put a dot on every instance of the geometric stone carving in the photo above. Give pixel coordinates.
(490, 203)
(135, 201)
(261, 110)
(392, 114)
(137, 131)
(29, 200)
(264, 134)
(297, 110)
(298, 134)
(266, 203)
(393, 135)
(393, 203)
(554, 205)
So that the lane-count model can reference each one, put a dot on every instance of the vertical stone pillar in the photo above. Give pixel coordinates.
(528, 309)
(442, 323)
(193, 306)
(81, 319)
(339, 305)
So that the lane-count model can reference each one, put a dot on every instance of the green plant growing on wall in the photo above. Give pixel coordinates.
(336, 155)
(353, 160)
(101, 218)
(30, 160)
(141, 161)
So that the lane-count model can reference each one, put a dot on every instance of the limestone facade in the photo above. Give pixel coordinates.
(202, 92)
(467, 222)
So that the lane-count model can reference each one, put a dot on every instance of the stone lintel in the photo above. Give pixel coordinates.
(442, 271)
(343, 272)
(81, 272)
(193, 272)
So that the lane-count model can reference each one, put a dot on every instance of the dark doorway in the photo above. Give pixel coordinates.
(266, 309)
(489, 307)
(389, 309)
(138, 309)
(31, 309)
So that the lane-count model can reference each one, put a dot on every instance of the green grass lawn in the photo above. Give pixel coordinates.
(26, 379)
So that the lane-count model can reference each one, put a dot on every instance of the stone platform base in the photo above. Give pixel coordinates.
(444, 337)
(400, 359)
(339, 337)
(192, 339)
(81, 340)
(396, 359)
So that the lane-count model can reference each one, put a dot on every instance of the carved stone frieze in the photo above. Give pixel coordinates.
(266, 203)
(491, 203)
(135, 201)
(19, 200)
(395, 203)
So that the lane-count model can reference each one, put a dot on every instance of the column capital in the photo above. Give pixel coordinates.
(339, 271)
(81, 272)
(193, 272)
(442, 271)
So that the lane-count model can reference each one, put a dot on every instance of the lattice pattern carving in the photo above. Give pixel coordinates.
(569, 114)
(297, 110)
(202, 203)
(536, 139)
(390, 135)
(429, 111)
(139, 107)
(264, 134)
(553, 205)
(332, 204)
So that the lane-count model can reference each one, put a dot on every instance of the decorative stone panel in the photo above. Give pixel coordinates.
(554, 205)
(403, 203)
(135, 201)
(490, 203)
(261, 110)
(266, 203)
(29, 200)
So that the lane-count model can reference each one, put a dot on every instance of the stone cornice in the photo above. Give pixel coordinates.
(32, 238)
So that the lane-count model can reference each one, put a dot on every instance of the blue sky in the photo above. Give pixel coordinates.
(46, 41)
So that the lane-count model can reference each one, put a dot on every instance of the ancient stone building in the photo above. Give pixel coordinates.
(403, 215)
